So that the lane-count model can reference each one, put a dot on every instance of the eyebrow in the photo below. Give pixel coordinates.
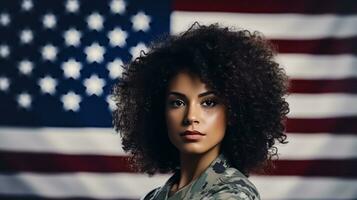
(200, 95)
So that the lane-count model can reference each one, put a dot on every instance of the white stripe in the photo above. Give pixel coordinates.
(120, 185)
(100, 142)
(295, 187)
(318, 146)
(279, 26)
(90, 185)
(322, 105)
(305, 66)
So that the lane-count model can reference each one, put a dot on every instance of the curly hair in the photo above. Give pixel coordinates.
(238, 64)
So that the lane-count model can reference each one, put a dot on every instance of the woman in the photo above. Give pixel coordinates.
(206, 105)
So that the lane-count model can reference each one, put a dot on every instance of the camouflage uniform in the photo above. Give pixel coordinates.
(218, 181)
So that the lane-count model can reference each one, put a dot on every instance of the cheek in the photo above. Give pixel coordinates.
(173, 118)
(217, 119)
(217, 125)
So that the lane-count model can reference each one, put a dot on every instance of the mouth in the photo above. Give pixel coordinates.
(192, 135)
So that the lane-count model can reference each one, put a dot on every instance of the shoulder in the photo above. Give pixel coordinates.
(150, 194)
(233, 185)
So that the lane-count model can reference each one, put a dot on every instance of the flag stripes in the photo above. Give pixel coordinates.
(269, 6)
(275, 26)
(59, 163)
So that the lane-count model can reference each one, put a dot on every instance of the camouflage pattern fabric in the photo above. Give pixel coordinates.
(219, 181)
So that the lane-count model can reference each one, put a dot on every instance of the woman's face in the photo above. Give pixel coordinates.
(192, 106)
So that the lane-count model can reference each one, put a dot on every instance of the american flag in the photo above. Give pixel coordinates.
(59, 60)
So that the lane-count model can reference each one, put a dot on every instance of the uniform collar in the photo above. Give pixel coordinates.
(209, 176)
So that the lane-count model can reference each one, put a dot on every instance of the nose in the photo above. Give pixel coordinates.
(192, 114)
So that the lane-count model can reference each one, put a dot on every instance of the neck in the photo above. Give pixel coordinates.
(193, 165)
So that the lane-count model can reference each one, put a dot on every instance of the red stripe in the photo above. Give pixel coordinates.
(51, 162)
(330, 125)
(322, 46)
(56, 163)
(343, 168)
(269, 6)
(323, 86)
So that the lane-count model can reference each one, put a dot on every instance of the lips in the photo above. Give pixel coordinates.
(192, 136)
(191, 133)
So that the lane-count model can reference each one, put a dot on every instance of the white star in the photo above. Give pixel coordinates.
(135, 51)
(115, 68)
(26, 5)
(4, 19)
(140, 21)
(111, 103)
(117, 6)
(4, 51)
(71, 69)
(95, 53)
(72, 6)
(47, 84)
(95, 21)
(24, 100)
(117, 37)
(94, 85)
(25, 67)
(49, 20)
(72, 37)
(26, 36)
(4, 83)
(49, 52)
(71, 101)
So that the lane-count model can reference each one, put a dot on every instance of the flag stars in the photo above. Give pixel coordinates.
(27, 5)
(94, 53)
(141, 21)
(48, 85)
(24, 100)
(25, 67)
(117, 6)
(49, 21)
(111, 103)
(49, 52)
(135, 51)
(72, 6)
(4, 84)
(26, 36)
(4, 51)
(71, 69)
(94, 85)
(4, 19)
(71, 101)
(95, 21)
(117, 37)
(72, 37)
(115, 68)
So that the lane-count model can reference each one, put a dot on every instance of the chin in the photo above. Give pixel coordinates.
(192, 149)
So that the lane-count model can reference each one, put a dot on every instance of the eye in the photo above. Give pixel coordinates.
(176, 103)
(210, 103)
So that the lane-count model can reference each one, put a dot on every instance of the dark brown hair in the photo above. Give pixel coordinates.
(237, 63)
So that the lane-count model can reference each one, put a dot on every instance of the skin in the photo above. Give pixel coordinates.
(191, 106)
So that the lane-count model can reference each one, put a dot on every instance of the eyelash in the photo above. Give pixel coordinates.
(212, 101)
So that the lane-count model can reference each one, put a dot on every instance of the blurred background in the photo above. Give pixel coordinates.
(59, 60)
